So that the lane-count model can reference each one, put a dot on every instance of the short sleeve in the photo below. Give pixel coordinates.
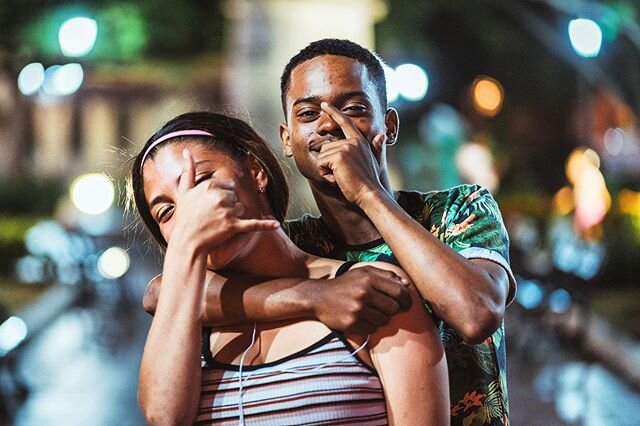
(467, 219)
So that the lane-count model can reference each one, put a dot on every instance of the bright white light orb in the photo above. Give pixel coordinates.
(63, 80)
(113, 263)
(586, 37)
(412, 81)
(31, 78)
(77, 36)
(392, 85)
(92, 193)
(12, 332)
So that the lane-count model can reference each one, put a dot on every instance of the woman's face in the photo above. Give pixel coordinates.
(161, 177)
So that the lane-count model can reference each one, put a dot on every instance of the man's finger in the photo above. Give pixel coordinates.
(384, 303)
(348, 128)
(362, 327)
(394, 288)
(188, 175)
(375, 317)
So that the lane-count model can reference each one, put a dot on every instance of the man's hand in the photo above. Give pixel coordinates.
(350, 163)
(360, 300)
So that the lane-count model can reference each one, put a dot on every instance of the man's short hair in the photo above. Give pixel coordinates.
(333, 46)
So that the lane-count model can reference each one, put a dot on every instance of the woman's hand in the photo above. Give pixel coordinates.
(208, 213)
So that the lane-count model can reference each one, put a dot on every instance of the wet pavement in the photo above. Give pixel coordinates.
(83, 369)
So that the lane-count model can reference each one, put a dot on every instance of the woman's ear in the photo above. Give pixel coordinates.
(258, 174)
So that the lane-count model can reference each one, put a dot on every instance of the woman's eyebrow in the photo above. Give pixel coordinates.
(157, 200)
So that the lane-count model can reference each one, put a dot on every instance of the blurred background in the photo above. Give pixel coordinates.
(538, 100)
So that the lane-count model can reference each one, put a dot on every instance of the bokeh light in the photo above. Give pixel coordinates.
(31, 78)
(63, 80)
(92, 193)
(530, 294)
(113, 263)
(12, 332)
(586, 37)
(77, 36)
(474, 162)
(392, 85)
(412, 81)
(591, 197)
(488, 95)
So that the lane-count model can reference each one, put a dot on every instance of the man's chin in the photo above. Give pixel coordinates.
(326, 187)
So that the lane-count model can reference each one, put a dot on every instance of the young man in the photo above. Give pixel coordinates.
(451, 243)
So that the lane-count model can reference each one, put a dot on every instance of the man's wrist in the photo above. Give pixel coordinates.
(372, 199)
(306, 297)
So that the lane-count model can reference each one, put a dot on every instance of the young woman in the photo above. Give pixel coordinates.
(211, 193)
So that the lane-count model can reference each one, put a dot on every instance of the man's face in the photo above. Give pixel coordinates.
(341, 82)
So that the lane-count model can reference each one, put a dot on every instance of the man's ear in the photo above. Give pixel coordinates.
(285, 139)
(392, 125)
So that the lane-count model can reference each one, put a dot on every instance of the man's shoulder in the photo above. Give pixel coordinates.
(310, 233)
(448, 195)
(426, 206)
(305, 221)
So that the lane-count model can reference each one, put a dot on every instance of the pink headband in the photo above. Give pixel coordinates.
(171, 136)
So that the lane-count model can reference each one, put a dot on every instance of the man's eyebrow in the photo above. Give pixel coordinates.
(307, 100)
(346, 96)
(341, 98)
(338, 99)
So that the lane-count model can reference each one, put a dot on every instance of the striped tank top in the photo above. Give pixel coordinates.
(323, 384)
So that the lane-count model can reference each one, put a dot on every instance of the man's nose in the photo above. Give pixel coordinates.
(328, 126)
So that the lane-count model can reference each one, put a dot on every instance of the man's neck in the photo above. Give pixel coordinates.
(346, 222)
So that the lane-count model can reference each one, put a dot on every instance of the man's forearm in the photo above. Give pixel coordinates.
(467, 296)
(237, 302)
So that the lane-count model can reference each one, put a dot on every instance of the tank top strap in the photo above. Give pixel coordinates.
(345, 267)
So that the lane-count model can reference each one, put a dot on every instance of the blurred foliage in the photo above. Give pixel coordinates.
(12, 233)
(15, 295)
(622, 236)
(23, 202)
(127, 30)
(30, 195)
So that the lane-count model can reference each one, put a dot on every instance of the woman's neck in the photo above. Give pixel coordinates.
(275, 255)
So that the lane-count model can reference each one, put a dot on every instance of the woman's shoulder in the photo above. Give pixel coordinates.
(381, 265)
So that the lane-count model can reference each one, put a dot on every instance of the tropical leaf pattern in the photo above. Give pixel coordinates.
(462, 217)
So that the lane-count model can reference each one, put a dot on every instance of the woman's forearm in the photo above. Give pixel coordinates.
(169, 388)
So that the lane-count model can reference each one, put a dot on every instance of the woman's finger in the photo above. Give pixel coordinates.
(256, 225)
(188, 175)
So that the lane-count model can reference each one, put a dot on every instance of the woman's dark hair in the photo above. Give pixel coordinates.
(231, 135)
